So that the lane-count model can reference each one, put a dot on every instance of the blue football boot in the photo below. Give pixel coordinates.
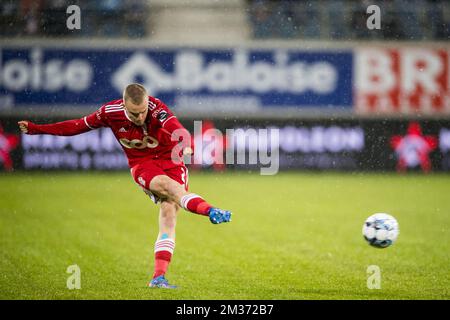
(161, 282)
(217, 215)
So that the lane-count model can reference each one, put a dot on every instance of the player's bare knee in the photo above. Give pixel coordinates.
(160, 185)
(169, 208)
(168, 215)
(176, 206)
(166, 187)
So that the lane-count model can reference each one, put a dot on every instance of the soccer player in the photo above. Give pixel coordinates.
(154, 142)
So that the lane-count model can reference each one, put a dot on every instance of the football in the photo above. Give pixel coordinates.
(380, 230)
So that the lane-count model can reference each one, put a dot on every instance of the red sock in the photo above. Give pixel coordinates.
(194, 203)
(163, 254)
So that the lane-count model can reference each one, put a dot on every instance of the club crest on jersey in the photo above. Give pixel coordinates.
(148, 142)
(162, 115)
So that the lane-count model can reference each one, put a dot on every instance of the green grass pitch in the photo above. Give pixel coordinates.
(293, 236)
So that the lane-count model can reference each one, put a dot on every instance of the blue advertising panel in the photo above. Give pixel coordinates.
(194, 79)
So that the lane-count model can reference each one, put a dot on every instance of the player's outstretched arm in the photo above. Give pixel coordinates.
(63, 128)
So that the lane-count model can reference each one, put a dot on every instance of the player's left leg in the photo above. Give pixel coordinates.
(165, 243)
(166, 180)
(167, 188)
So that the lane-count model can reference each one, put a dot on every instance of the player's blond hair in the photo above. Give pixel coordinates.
(135, 93)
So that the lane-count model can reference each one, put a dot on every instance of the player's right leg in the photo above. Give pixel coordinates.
(167, 188)
(165, 244)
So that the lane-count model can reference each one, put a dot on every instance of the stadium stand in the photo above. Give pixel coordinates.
(339, 19)
(102, 18)
(234, 19)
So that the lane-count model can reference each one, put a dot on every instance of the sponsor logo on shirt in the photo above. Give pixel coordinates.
(147, 142)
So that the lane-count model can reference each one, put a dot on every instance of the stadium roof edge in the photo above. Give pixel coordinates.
(267, 114)
(269, 43)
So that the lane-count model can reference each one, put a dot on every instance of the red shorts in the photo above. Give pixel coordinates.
(144, 172)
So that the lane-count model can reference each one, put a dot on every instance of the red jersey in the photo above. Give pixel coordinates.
(153, 140)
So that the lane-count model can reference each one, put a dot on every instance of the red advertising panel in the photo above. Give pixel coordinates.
(407, 81)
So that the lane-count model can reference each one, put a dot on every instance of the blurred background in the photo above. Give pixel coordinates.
(348, 101)
(343, 95)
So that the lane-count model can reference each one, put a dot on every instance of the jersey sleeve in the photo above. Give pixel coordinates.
(70, 127)
(96, 119)
(163, 117)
